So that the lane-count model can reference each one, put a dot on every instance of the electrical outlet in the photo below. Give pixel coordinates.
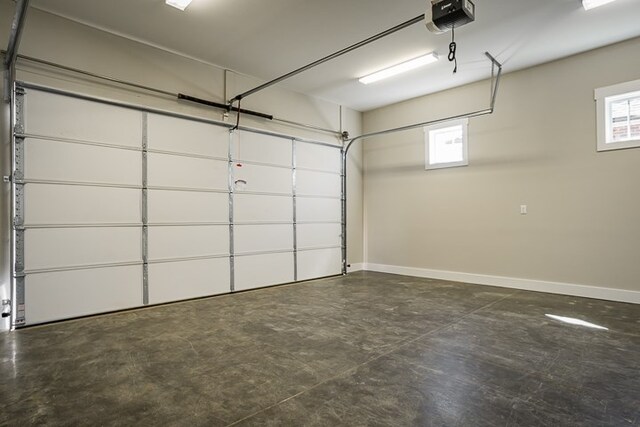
(523, 209)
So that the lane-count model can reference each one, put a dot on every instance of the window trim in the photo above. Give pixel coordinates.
(602, 125)
(465, 144)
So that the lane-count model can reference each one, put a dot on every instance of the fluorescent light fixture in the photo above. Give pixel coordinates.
(178, 4)
(403, 67)
(592, 4)
(572, 321)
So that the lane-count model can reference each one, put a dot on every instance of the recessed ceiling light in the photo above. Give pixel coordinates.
(592, 4)
(403, 67)
(178, 4)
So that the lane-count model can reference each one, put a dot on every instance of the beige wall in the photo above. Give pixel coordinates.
(58, 40)
(538, 149)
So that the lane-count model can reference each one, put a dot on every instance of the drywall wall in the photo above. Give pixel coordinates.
(538, 149)
(73, 44)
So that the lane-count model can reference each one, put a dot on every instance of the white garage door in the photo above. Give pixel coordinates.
(263, 232)
(82, 167)
(118, 208)
(318, 211)
(187, 209)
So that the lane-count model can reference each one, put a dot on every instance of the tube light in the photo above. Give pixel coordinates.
(592, 4)
(178, 4)
(403, 67)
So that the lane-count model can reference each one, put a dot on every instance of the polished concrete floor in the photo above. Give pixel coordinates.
(367, 349)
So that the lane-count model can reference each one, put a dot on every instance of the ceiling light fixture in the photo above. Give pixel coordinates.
(592, 4)
(403, 67)
(178, 4)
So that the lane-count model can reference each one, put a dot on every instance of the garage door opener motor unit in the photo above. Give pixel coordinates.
(445, 15)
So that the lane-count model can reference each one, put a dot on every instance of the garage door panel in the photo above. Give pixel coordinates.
(73, 204)
(165, 206)
(71, 228)
(190, 241)
(59, 116)
(67, 247)
(254, 147)
(319, 157)
(67, 294)
(254, 208)
(263, 179)
(314, 183)
(318, 210)
(81, 163)
(319, 263)
(257, 271)
(167, 170)
(174, 281)
(261, 238)
(187, 136)
(318, 235)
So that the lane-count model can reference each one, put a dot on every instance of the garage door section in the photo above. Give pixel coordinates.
(318, 207)
(187, 209)
(77, 211)
(263, 231)
(118, 208)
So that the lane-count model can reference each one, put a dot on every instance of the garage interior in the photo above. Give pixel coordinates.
(320, 213)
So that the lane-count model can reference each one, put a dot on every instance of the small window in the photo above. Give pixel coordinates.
(618, 114)
(446, 145)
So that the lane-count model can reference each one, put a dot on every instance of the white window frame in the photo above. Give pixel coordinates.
(464, 123)
(602, 95)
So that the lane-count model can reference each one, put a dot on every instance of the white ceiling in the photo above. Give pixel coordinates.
(270, 38)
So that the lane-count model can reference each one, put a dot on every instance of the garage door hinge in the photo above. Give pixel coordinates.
(20, 320)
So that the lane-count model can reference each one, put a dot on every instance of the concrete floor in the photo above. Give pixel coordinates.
(366, 349)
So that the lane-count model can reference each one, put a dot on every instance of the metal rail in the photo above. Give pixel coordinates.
(25, 85)
(181, 96)
(345, 151)
(16, 241)
(17, 26)
(334, 55)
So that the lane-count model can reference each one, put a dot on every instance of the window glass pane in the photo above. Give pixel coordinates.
(445, 145)
(619, 110)
(635, 117)
(624, 119)
(618, 116)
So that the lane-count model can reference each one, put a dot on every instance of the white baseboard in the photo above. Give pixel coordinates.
(355, 267)
(621, 295)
